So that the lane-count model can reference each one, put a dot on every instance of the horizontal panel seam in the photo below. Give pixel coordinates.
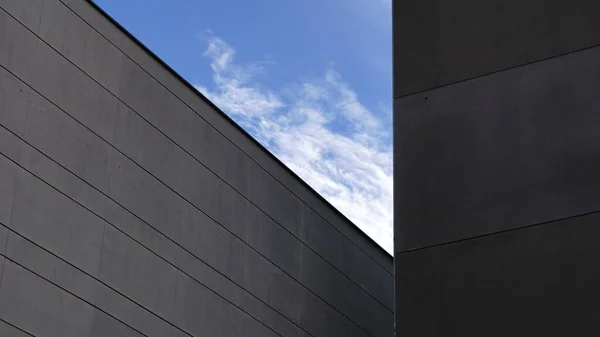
(528, 226)
(16, 327)
(497, 71)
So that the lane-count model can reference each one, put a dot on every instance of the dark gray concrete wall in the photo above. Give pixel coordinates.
(497, 161)
(129, 206)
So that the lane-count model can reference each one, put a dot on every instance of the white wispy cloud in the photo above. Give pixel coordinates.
(320, 130)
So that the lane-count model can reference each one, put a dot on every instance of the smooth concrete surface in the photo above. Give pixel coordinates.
(496, 158)
(438, 42)
(501, 151)
(536, 281)
(131, 195)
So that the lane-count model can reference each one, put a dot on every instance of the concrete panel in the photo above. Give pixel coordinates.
(41, 308)
(48, 218)
(9, 180)
(282, 325)
(148, 98)
(78, 42)
(150, 149)
(346, 257)
(345, 296)
(145, 196)
(13, 102)
(502, 151)
(28, 12)
(275, 200)
(236, 295)
(3, 239)
(10, 331)
(273, 242)
(74, 92)
(106, 326)
(536, 281)
(63, 139)
(84, 287)
(17, 47)
(212, 243)
(141, 231)
(202, 313)
(368, 275)
(439, 42)
(133, 270)
(322, 320)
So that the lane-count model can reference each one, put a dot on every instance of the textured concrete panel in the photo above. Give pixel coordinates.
(74, 92)
(536, 281)
(150, 149)
(345, 296)
(55, 222)
(273, 241)
(9, 180)
(17, 47)
(41, 308)
(106, 326)
(439, 42)
(506, 150)
(145, 196)
(203, 313)
(10, 331)
(27, 12)
(147, 97)
(345, 256)
(63, 139)
(79, 43)
(84, 287)
(212, 243)
(13, 102)
(137, 272)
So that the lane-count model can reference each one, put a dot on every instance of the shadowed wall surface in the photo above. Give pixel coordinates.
(497, 167)
(131, 206)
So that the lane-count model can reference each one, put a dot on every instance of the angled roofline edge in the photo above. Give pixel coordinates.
(237, 126)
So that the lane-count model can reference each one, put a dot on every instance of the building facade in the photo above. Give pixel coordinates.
(131, 206)
(497, 167)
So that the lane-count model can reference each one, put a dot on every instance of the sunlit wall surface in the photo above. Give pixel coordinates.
(497, 167)
(130, 206)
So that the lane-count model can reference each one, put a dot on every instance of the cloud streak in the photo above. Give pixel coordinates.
(319, 129)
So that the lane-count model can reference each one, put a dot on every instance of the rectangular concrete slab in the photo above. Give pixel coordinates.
(40, 308)
(9, 181)
(63, 139)
(145, 196)
(74, 92)
(133, 270)
(50, 219)
(531, 281)
(27, 12)
(86, 288)
(438, 42)
(213, 243)
(502, 151)
(11, 331)
(62, 29)
(201, 312)
(150, 149)
(17, 47)
(106, 326)
(13, 102)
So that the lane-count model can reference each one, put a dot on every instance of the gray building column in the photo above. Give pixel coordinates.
(497, 167)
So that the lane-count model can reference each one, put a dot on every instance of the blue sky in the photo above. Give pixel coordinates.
(311, 80)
